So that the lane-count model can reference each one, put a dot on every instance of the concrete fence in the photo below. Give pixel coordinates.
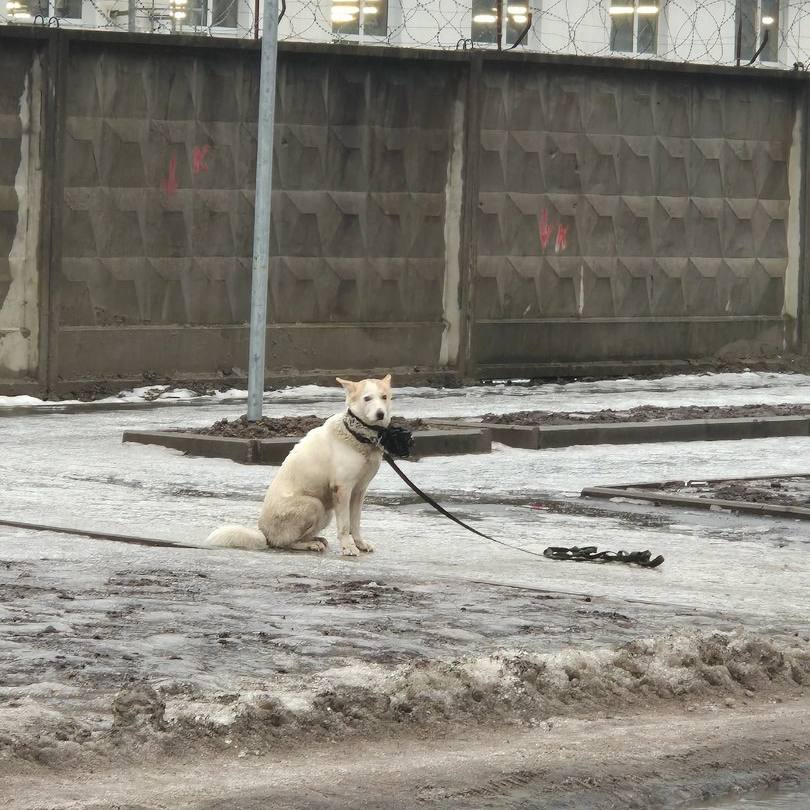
(444, 216)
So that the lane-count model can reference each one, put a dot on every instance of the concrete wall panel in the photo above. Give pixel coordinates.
(158, 215)
(641, 195)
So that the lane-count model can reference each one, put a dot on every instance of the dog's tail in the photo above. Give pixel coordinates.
(237, 537)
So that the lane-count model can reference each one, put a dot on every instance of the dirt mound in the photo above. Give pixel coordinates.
(644, 413)
(790, 490)
(275, 427)
(510, 687)
(138, 705)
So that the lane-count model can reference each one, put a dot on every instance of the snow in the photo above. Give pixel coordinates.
(101, 608)
(72, 469)
(743, 388)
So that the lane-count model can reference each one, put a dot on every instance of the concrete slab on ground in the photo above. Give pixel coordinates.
(541, 437)
(789, 496)
(273, 451)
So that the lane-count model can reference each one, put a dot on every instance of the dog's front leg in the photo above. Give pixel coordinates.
(342, 503)
(358, 496)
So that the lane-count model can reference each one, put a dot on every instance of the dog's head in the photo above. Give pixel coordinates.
(370, 400)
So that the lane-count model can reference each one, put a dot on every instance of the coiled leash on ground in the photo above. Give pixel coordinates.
(397, 441)
(591, 554)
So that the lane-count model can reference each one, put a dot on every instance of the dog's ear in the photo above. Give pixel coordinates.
(348, 385)
(386, 381)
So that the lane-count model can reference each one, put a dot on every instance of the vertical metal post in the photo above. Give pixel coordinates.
(738, 39)
(131, 15)
(261, 219)
(499, 23)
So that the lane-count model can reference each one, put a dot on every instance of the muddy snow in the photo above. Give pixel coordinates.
(160, 660)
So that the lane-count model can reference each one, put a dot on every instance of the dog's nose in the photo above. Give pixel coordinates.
(380, 414)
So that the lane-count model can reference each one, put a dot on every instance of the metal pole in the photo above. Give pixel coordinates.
(132, 10)
(738, 41)
(261, 219)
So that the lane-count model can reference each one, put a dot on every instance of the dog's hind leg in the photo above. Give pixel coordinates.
(293, 523)
(314, 544)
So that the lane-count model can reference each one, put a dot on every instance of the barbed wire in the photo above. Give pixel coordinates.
(703, 31)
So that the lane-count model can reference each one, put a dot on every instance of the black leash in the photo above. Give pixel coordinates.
(439, 508)
(116, 538)
(396, 441)
(592, 554)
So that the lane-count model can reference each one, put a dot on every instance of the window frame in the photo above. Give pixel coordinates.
(361, 36)
(51, 11)
(637, 19)
(510, 25)
(774, 30)
(206, 11)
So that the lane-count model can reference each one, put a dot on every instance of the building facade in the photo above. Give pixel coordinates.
(775, 32)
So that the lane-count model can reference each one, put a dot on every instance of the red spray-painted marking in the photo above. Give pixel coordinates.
(562, 238)
(198, 155)
(169, 185)
(545, 229)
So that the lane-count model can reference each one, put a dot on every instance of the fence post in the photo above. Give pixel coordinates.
(469, 215)
(50, 256)
(803, 303)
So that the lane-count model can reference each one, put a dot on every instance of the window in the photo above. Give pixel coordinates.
(224, 13)
(28, 9)
(484, 29)
(360, 18)
(634, 25)
(756, 19)
(205, 13)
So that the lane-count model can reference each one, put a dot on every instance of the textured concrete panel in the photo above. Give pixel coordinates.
(159, 173)
(500, 346)
(624, 198)
(100, 352)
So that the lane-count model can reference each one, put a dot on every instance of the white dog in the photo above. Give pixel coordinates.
(328, 471)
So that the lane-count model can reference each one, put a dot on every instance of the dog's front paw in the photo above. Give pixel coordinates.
(349, 549)
(364, 545)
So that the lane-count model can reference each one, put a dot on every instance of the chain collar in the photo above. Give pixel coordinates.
(365, 434)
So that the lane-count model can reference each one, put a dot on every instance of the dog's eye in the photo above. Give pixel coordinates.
(385, 397)
(367, 398)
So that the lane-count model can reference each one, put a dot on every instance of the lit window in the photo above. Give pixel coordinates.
(634, 25)
(755, 19)
(360, 18)
(484, 29)
(28, 9)
(206, 13)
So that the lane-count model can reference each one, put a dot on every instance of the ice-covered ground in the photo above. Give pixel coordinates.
(81, 615)
(72, 469)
